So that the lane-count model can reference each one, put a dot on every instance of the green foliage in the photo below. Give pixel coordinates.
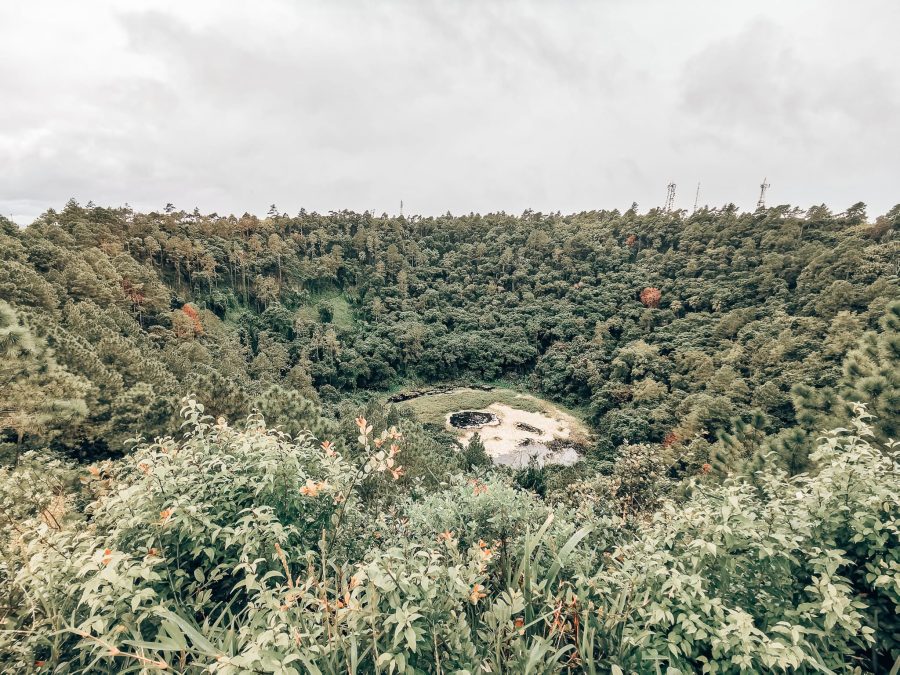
(244, 550)
(326, 314)
(38, 397)
(293, 414)
(749, 306)
(731, 452)
(533, 477)
(802, 575)
(198, 523)
(474, 455)
(872, 373)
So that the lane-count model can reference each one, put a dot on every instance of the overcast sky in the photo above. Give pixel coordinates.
(449, 106)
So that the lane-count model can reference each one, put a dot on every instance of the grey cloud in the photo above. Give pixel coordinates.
(757, 82)
(818, 120)
(449, 106)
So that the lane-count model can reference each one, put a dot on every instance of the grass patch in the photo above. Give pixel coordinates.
(341, 312)
(434, 408)
(342, 315)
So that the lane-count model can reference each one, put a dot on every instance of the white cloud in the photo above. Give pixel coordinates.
(449, 106)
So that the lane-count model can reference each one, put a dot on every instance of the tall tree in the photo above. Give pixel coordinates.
(37, 396)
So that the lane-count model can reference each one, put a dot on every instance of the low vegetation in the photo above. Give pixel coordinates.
(242, 550)
(434, 408)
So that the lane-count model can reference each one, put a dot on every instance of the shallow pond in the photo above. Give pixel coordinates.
(541, 453)
(472, 419)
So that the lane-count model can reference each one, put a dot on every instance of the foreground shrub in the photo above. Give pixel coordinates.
(800, 574)
(241, 550)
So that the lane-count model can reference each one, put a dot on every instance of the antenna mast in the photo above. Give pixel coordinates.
(670, 197)
(696, 197)
(401, 208)
(761, 204)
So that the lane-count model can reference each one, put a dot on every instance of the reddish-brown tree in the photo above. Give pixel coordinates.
(651, 296)
(194, 316)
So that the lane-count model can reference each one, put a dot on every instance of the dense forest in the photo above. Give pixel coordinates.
(203, 473)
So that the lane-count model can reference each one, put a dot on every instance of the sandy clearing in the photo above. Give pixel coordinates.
(509, 444)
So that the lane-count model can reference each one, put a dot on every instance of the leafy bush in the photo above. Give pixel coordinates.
(474, 454)
(800, 575)
(242, 550)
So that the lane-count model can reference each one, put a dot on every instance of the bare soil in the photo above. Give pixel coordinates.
(552, 436)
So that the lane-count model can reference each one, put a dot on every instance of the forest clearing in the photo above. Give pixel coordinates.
(522, 426)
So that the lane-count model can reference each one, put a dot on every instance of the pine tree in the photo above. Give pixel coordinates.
(872, 374)
(790, 450)
(292, 413)
(138, 410)
(816, 408)
(37, 396)
(221, 395)
(475, 454)
(734, 448)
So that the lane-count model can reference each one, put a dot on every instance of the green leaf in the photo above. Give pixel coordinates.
(197, 639)
(564, 553)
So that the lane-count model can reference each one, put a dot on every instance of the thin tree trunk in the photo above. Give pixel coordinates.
(19, 437)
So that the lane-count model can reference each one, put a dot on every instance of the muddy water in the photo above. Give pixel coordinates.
(472, 419)
(539, 452)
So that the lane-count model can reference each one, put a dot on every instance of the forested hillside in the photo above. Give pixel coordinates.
(149, 523)
(663, 327)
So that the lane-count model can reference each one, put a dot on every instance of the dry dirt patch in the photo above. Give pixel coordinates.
(518, 435)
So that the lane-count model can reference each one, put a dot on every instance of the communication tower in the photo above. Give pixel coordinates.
(670, 196)
(761, 203)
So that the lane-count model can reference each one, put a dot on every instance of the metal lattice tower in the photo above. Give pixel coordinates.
(670, 197)
(761, 203)
(696, 198)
